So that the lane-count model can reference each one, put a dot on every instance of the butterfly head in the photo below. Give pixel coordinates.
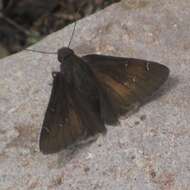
(64, 53)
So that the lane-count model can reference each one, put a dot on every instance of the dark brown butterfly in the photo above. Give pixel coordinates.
(92, 91)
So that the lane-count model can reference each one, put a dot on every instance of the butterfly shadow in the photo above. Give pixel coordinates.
(66, 155)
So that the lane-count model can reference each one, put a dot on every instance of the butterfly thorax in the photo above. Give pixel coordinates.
(68, 62)
(76, 72)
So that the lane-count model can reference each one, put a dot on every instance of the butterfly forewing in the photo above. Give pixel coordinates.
(126, 81)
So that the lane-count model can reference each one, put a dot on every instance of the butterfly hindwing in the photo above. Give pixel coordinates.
(55, 134)
(68, 118)
(127, 82)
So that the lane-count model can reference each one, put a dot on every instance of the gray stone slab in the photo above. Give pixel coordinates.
(149, 150)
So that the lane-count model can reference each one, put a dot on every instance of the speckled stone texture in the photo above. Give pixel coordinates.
(149, 150)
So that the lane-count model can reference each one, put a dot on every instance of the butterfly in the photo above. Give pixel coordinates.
(94, 90)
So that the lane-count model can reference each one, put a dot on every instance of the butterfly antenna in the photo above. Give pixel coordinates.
(38, 51)
(75, 23)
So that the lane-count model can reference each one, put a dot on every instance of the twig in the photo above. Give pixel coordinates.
(17, 26)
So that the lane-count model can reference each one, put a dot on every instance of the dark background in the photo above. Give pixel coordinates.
(24, 22)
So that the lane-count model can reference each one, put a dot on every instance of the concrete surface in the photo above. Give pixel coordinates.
(150, 150)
